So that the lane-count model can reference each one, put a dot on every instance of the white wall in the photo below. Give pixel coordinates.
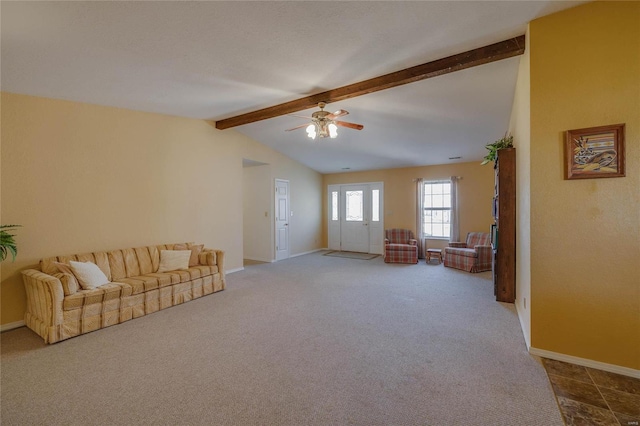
(520, 128)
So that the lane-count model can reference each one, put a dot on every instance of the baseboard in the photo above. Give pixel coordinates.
(625, 371)
(307, 252)
(12, 325)
(260, 259)
(231, 271)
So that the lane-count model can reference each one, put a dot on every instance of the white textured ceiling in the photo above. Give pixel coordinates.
(213, 60)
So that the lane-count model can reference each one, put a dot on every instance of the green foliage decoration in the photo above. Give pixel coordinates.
(504, 142)
(7, 243)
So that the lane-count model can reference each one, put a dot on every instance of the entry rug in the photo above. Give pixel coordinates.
(352, 255)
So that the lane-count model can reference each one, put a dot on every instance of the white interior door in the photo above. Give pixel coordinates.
(282, 219)
(355, 216)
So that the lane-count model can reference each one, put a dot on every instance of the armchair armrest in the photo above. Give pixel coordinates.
(44, 302)
(458, 244)
(484, 253)
(413, 242)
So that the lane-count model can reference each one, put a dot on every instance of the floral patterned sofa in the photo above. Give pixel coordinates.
(58, 308)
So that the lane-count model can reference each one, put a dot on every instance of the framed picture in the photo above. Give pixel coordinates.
(596, 152)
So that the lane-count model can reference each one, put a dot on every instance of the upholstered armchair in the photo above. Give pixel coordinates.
(400, 246)
(474, 255)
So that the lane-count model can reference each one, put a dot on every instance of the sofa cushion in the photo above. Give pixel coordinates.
(97, 295)
(131, 262)
(400, 247)
(196, 249)
(478, 239)
(171, 260)
(88, 274)
(69, 283)
(466, 252)
(143, 283)
(116, 263)
(48, 264)
(144, 260)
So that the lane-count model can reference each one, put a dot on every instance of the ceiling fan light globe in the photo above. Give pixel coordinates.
(311, 131)
(333, 131)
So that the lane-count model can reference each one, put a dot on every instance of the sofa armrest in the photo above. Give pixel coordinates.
(220, 262)
(44, 297)
(458, 244)
(207, 257)
(413, 242)
(213, 257)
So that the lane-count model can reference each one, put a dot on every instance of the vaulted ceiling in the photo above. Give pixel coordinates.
(215, 60)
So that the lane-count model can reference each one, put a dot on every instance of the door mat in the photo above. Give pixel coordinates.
(352, 255)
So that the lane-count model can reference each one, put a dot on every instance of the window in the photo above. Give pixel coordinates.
(375, 205)
(334, 205)
(436, 218)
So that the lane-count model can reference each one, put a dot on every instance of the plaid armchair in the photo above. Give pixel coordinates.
(400, 246)
(472, 256)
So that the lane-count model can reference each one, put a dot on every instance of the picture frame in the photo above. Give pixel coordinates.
(595, 152)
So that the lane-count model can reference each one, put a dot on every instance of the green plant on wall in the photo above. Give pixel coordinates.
(504, 142)
(7, 243)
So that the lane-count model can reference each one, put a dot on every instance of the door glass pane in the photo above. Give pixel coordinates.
(354, 210)
(375, 205)
(334, 205)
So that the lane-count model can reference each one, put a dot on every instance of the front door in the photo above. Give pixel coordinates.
(354, 224)
(282, 219)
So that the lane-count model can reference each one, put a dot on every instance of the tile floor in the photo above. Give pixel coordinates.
(587, 396)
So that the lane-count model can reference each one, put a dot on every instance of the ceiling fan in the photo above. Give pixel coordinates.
(324, 123)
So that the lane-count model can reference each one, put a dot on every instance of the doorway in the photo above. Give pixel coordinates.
(282, 209)
(355, 217)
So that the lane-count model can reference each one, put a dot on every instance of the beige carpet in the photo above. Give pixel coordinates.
(313, 340)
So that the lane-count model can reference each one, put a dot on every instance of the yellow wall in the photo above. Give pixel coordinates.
(83, 178)
(585, 234)
(475, 192)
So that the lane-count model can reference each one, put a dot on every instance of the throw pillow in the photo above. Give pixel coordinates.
(172, 260)
(88, 274)
(195, 254)
(63, 267)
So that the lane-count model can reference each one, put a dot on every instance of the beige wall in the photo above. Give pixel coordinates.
(475, 194)
(585, 234)
(257, 213)
(82, 178)
(519, 127)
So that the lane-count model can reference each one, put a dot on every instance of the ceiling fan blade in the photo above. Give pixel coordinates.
(297, 127)
(299, 116)
(338, 113)
(349, 125)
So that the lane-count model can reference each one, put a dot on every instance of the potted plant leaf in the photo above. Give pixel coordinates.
(7, 243)
(505, 142)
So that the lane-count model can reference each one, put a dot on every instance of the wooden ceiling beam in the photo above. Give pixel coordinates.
(472, 58)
